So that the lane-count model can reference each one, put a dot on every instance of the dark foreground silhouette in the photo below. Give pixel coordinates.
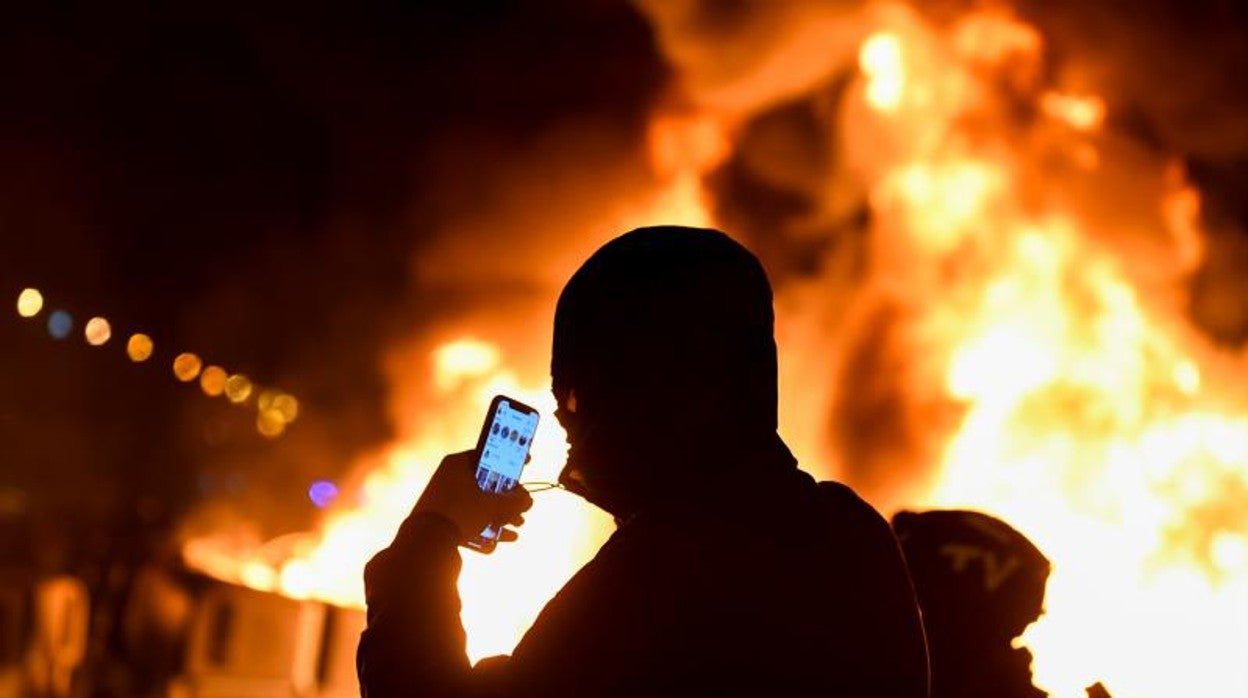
(731, 572)
(980, 584)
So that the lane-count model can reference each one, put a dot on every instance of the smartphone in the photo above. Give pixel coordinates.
(502, 449)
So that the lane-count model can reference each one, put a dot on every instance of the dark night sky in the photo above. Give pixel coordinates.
(252, 185)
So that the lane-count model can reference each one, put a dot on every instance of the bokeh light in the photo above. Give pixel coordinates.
(139, 347)
(270, 423)
(97, 331)
(264, 401)
(212, 381)
(238, 388)
(29, 302)
(60, 324)
(186, 366)
(287, 406)
(322, 492)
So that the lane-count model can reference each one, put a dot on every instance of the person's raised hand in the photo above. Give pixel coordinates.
(453, 494)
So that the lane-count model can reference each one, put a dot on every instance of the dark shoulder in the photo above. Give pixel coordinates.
(858, 528)
(843, 502)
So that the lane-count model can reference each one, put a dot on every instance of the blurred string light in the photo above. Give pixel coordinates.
(212, 381)
(186, 366)
(29, 302)
(140, 347)
(97, 331)
(264, 401)
(287, 406)
(284, 404)
(238, 388)
(275, 409)
(60, 324)
(322, 492)
(270, 423)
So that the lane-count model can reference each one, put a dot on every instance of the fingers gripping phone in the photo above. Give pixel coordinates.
(502, 449)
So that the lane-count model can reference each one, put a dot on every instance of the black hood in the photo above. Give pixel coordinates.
(666, 336)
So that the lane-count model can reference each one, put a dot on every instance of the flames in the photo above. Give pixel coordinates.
(1093, 417)
(504, 591)
(1086, 410)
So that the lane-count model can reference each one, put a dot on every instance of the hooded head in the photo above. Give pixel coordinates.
(664, 364)
(978, 580)
(979, 584)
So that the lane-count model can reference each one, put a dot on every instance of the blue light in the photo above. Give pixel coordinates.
(60, 324)
(322, 492)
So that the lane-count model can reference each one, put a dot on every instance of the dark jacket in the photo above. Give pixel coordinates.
(769, 585)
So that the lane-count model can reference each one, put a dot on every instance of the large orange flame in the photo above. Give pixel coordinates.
(1091, 415)
(1095, 419)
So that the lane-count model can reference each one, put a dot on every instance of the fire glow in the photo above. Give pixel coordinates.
(1090, 414)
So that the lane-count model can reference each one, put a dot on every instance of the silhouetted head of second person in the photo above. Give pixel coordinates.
(664, 366)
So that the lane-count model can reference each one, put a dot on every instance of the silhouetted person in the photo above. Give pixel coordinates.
(731, 573)
(980, 583)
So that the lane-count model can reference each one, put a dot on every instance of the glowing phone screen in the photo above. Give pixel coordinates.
(506, 446)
